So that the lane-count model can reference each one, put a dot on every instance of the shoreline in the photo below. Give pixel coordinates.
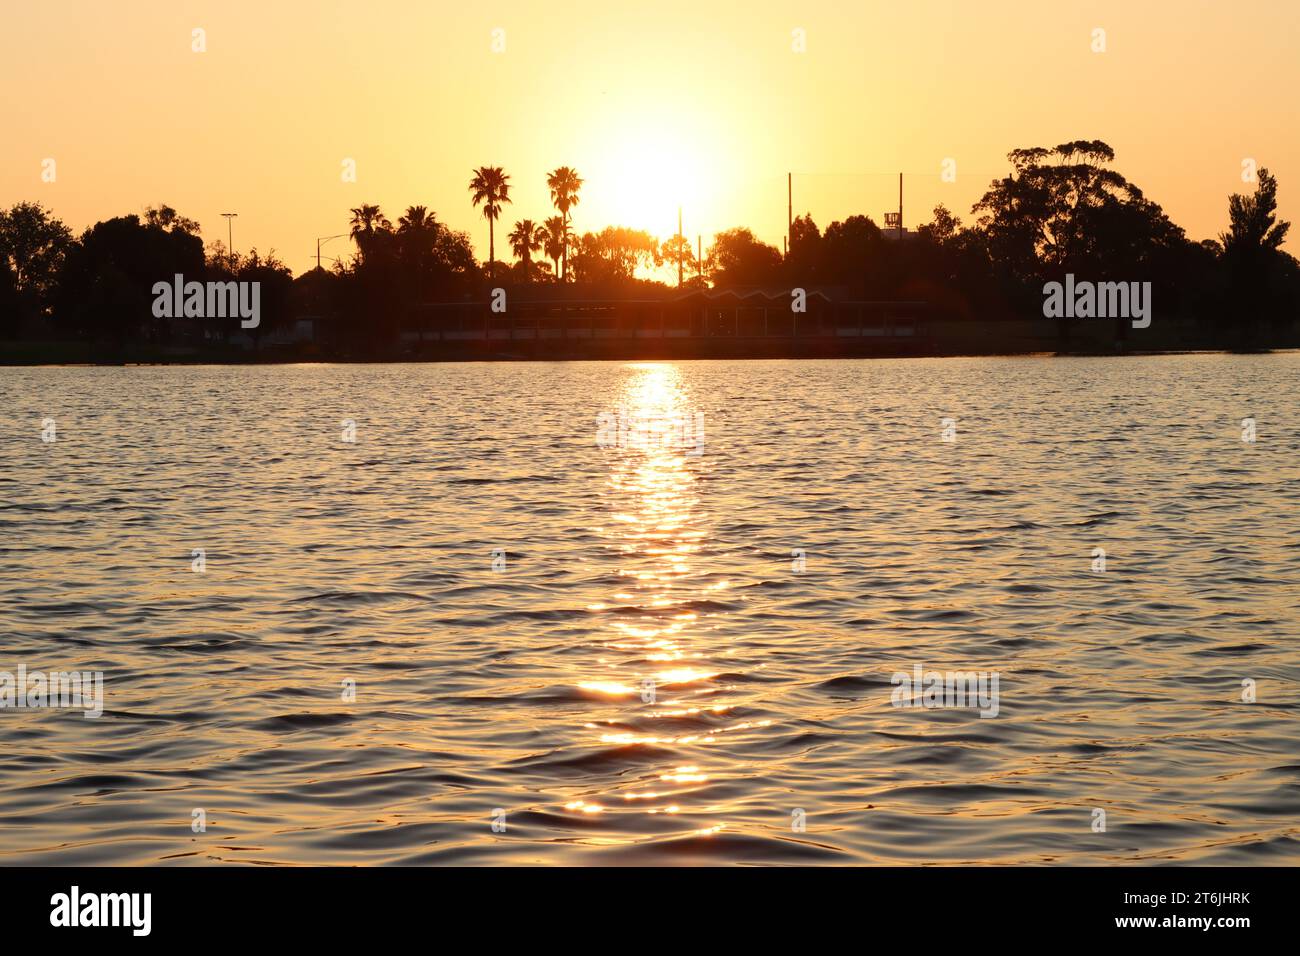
(141, 361)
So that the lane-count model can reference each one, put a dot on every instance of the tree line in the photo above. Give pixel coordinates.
(1059, 210)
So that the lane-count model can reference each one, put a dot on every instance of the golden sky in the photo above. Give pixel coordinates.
(702, 104)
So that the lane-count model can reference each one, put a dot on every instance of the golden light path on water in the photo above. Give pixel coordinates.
(656, 523)
(650, 679)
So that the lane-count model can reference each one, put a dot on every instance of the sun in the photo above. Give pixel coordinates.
(646, 170)
(653, 176)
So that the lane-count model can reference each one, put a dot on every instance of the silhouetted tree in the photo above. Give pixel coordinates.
(1253, 257)
(490, 187)
(434, 258)
(944, 228)
(368, 223)
(106, 284)
(275, 284)
(1253, 226)
(564, 184)
(852, 253)
(525, 239)
(10, 324)
(737, 258)
(803, 260)
(169, 220)
(678, 252)
(33, 247)
(416, 221)
(316, 295)
(554, 240)
(614, 254)
(1063, 210)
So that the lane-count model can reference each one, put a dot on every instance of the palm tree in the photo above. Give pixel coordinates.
(552, 236)
(525, 240)
(490, 187)
(366, 222)
(417, 219)
(564, 184)
(417, 231)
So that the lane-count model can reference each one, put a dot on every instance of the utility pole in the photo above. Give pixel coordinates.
(789, 211)
(699, 255)
(900, 207)
(680, 243)
(230, 240)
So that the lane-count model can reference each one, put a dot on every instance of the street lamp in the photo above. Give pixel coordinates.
(230, 242)
(324, 239)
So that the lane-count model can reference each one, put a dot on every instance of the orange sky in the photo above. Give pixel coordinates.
(701, 103)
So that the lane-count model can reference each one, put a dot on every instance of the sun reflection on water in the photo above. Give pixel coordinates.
(656, 526)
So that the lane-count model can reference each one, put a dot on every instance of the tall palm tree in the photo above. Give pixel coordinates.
(366, 222)
(564, 184)
(525, 240)
(552, 235)
(490, 188)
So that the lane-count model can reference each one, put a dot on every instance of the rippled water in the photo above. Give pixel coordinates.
(649, 679)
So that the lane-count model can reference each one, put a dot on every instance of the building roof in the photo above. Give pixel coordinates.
(741, 293)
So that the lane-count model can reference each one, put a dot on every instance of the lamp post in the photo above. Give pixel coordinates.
(230, 241)
(679, 247)
(321, 241)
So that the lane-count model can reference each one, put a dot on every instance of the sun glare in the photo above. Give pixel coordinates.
(648, 170)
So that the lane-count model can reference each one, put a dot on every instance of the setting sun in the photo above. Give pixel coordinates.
(645, 170)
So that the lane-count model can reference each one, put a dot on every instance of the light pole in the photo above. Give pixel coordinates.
(324, 239)
(679, 247)
(230, 241)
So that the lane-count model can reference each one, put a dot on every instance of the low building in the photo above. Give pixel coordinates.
(697, 314)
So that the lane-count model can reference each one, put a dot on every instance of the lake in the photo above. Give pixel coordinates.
(655, 613)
